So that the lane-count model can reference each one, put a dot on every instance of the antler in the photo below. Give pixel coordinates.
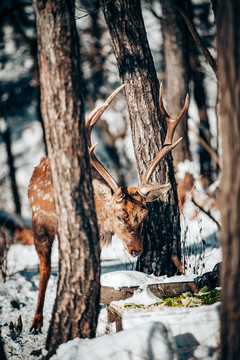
(93, 117)
(167, 146)
(171, 123)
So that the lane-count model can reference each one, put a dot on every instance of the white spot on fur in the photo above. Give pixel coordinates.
(52, 214)
(46, 197)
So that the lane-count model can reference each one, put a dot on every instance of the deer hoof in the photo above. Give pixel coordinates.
(37, 324)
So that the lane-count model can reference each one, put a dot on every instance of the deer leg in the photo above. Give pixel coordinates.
(45, 272)
(43, 244)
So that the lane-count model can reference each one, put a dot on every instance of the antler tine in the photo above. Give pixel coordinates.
(93, 117)
(167, 146)
(162, 108)
(88, 122)
(171, 123)
(95, 114)
(101, 110)
(104, 173)
(160, 155)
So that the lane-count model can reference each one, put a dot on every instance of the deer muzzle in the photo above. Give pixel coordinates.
(135, 253)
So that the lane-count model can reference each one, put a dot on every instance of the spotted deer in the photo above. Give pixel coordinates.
(120, 210)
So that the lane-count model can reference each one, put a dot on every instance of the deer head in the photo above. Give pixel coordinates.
(122, 210)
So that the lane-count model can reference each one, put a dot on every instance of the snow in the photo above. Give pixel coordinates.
(119, 279)
(187, 167)
(140, 296)
(147, 341)
(201, 322)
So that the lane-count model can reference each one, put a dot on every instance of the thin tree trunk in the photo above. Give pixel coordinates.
(177, 71)
(204, 128)
(200, 98)
(137, 72)
(215, 4)
(2, 353)
(228, 46)
(12, 171)
(76, 307)
(97, 59)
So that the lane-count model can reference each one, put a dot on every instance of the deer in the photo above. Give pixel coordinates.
(119, 210)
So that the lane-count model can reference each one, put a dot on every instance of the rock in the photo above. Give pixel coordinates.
(210, 279)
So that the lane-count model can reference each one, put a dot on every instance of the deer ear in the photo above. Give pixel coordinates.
(101, 190)
(156, 193)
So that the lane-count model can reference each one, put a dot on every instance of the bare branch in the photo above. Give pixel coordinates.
(198, 40)
(210, 151)
(206, 212)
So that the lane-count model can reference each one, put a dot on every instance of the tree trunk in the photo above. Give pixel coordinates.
(162, 229)
(96, 59)
(228, 41)
(12, 171)
(198, 78)
(215, 4)
(2, 353)
(204, 128)
(76, 307)
(177, 71)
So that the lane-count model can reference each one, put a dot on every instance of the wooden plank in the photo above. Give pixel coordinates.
(161, 290)
(114, 316)
(109, 294)
(164, 290)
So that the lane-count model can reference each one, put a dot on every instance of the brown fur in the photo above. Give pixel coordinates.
(23, 236)
(124, 218)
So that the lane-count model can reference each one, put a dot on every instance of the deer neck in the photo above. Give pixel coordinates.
(104, 222)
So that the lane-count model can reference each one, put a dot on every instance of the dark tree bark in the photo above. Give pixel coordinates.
(77, 304)
(198, 77)
(228, 46)
(4, 246)
(96, 58)
(177, 71)
(2, 353)
(12, 171)
(136, 69)
(215, 6)
(204, 128)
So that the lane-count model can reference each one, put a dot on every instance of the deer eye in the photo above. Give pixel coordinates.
(119, 219)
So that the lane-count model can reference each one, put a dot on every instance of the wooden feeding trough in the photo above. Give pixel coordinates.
(161, 290)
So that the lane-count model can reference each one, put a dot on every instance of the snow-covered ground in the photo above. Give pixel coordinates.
(165, 333)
